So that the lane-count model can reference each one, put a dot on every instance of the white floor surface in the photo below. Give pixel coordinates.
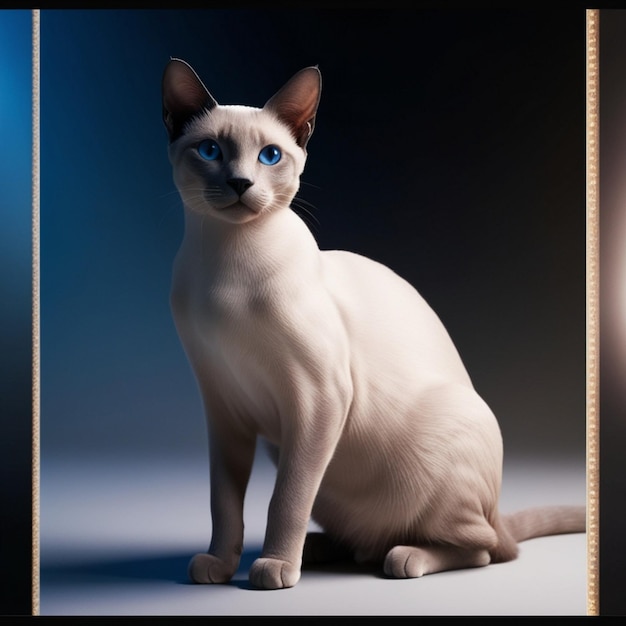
(116, 538)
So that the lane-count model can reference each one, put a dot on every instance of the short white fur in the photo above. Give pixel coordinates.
(336, 361)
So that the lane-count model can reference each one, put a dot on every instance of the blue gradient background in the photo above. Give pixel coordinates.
(449, 145)
(15, 308)
(428, 155)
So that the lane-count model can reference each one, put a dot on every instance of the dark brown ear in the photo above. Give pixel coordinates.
(296, 103)
(184, 96)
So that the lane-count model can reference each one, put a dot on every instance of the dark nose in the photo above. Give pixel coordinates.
(239, 184)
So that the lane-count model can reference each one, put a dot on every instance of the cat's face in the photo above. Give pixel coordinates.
(236, 163)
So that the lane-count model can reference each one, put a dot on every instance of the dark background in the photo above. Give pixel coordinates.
(612, 311)
(449, 145)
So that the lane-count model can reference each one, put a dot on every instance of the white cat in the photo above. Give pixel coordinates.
(335, 360)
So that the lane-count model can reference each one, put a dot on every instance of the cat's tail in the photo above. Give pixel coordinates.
(539, 521)
(546, 520)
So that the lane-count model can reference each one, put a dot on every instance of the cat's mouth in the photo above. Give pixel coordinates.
(232, 207)
(239, 205)
(230, 203)
(238, 211)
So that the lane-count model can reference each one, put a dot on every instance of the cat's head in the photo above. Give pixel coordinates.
(236, 162)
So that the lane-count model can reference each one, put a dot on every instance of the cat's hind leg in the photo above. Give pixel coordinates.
(464, 538)
(414, 561)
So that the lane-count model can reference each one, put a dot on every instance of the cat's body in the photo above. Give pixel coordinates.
(331, 357)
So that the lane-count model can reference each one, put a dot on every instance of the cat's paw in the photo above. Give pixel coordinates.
(414, 562)
(405, 562)
(207, 568)
(267, 573)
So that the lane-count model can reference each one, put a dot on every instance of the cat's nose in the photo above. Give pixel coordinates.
(239, 184)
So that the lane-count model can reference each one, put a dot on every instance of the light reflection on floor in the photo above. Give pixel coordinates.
(116, 539)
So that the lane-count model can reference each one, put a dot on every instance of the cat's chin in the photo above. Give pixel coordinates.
(236, 213)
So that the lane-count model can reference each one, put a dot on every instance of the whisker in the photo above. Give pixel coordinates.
(301, 207)
(304, 182)
(196, 198)
(174, 192)
(305, 207)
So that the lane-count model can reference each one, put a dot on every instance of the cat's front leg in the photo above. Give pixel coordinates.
(304, 455)
(289, 512)
(232, 455)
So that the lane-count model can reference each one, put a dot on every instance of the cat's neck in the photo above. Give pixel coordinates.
(273, 244)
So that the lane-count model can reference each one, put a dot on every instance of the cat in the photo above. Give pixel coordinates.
(331, 358)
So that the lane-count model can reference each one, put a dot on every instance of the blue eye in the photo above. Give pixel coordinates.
(270, 155)
(209, 150)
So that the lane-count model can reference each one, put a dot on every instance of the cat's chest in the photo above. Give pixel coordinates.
(252, 353)
(248, 332)
(223, 318)
(227, 334)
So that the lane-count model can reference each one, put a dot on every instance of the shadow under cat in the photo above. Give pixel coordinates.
(173, 567)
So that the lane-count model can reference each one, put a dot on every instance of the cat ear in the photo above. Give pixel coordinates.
(296, 103)
(184, 95)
